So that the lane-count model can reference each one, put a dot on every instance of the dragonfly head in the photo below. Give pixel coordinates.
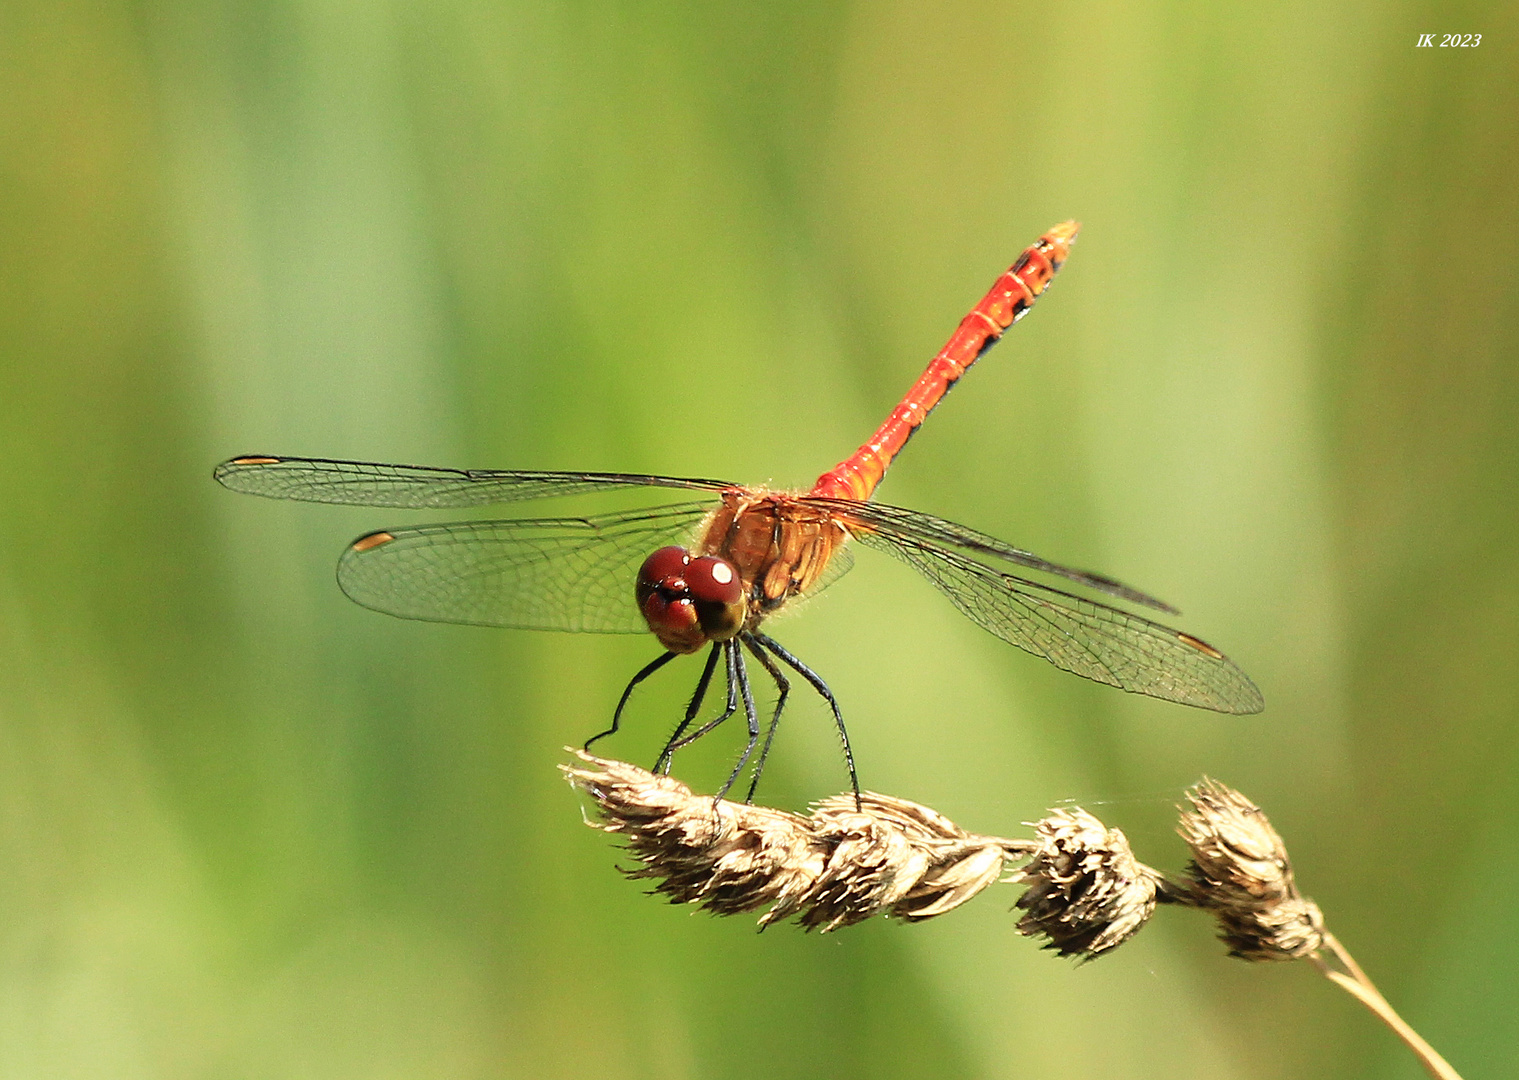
(687, 601)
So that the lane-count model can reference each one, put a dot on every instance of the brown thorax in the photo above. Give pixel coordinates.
(779, 546)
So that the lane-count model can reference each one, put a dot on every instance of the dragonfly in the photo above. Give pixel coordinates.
(708, 573)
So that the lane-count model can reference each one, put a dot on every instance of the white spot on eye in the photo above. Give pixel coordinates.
(722, 573)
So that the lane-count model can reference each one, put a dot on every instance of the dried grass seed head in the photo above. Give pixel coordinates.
(838, 866)
(872, 864)
(728, 857)
(1086, 891)
(1286, 930)
(1241, 873)
(1234, 847)
(906, 857)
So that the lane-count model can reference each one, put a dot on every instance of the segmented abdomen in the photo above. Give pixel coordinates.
(1009, 300)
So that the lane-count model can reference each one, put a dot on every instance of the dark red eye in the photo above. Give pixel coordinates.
(687, 601)
(713, 581)
(665, 600)
(665, 565)
(718, 595)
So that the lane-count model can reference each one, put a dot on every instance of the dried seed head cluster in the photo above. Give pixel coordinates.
(844, 862)
(1240, 872)
(727, 857)
(1087, 894)
(891, 854)
(1086, 891)
(837, 866)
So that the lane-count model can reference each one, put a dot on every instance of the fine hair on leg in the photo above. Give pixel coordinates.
(783, 687)
(643, 673)
(730, 653)
(694, 707)
(827, 695)
(751, 715)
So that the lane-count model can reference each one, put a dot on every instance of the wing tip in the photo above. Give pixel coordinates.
(1114, 587)
(232, 466)
(1249, 700)
(1254, 703)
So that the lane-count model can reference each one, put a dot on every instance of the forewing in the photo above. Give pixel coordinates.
(367, 483)
(1081, 636)
(911, 525)
(573, 574)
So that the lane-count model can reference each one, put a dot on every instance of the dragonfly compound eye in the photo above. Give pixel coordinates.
(718, 594)
(664, 597)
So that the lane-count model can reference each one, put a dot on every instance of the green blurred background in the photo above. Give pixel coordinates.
(248, 829)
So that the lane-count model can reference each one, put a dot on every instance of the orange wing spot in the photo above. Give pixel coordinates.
(373, 540)
(255, 461)
(1200, 645)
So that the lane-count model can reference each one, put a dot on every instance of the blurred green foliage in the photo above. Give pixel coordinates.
(248, 829)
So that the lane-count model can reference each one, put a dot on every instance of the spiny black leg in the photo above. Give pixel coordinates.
(822, 688)
(753, 717)
(730, 650)
(784, 688)
(648, 670)
(663, 764)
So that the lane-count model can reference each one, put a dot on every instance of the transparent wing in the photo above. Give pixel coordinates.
(1081, 636)
(573, 574)
(895, 521)
(839, 564)
(367, 483)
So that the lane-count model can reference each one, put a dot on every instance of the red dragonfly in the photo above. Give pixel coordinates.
(710, 572)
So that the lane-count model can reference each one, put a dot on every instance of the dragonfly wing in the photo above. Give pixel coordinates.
(1082, 636)
(367, 483)
(839, 564)
(573, 574)
(896, 521)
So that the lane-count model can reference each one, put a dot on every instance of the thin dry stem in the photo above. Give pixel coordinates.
(1241, 874)
(1355, 983)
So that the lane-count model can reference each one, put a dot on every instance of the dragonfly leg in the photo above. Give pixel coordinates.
(663, 764)
(730, 651)
(751, 714)
(644, 673)
(784, 688)
(827, 695)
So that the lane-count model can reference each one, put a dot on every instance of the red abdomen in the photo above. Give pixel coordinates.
(1009, 300)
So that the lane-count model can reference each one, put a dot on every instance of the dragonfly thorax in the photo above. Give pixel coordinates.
(778, 543)
(690, 600)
